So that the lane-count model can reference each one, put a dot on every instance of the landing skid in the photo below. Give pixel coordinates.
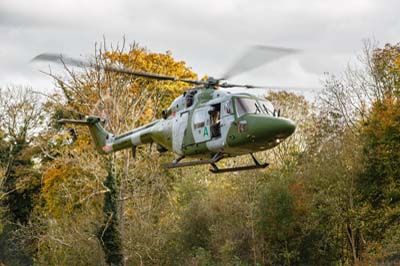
(256, 165)
(217, 157)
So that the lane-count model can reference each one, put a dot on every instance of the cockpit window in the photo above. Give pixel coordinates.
(267, 107)
(247, 105)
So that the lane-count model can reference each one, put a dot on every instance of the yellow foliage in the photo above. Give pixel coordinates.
(65, 184)
(397, 62)
(164, 64)
(384, 114)
(127, 101)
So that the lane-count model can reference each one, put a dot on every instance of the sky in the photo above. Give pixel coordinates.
(209, 35)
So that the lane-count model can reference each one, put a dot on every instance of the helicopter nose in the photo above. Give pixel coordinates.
(284, 128)
(263, 131)
(270, 128)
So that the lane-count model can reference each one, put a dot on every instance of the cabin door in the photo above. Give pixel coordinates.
(178, 131)
(201, 125)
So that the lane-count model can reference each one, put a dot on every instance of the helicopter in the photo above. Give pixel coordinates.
(207, 121)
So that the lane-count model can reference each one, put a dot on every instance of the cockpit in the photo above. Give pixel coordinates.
(253, 106)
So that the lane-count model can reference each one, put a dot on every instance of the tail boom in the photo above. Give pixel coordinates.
(105, 142)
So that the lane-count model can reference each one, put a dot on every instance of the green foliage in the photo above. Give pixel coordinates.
(382, 153)
(379, 181)
(277, 225)
(196, 228)
(21, 185)
(20, 191)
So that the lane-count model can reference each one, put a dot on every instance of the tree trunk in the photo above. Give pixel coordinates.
(110, 235)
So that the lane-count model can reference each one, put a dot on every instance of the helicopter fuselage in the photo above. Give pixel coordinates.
(205, 122)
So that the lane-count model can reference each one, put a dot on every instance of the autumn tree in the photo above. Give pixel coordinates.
(380, 179)
(21, 118)
(126, 102)
(362, 107)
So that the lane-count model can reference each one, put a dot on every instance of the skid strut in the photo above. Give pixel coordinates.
(176, 163)
(256, 165)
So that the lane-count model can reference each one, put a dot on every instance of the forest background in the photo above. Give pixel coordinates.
(331, 195)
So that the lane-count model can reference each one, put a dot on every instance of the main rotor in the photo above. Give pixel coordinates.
(254, 57)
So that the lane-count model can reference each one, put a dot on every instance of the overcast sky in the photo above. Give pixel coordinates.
(208, 34)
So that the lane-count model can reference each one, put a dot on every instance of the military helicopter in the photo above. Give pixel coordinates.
(206, 121)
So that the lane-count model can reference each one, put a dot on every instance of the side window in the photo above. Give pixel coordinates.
(228, 107)
(190, 98)
(241, 107)
(215, 117)
(199, 119)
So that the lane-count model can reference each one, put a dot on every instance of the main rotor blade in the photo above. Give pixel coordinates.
(62, 59)
(228, 85)
(149, 75)
(257, 56)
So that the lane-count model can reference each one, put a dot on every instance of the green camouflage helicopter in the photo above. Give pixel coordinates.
(204, 122)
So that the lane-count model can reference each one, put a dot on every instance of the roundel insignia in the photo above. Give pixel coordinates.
(106, 148)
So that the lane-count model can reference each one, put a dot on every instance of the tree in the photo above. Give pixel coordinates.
(22, 117)
(379, 183)
(365, 103)
(126, 102)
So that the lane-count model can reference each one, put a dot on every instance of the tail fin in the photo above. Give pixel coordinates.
(102, 138)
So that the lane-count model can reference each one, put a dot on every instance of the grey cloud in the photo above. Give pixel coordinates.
(208, 35)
